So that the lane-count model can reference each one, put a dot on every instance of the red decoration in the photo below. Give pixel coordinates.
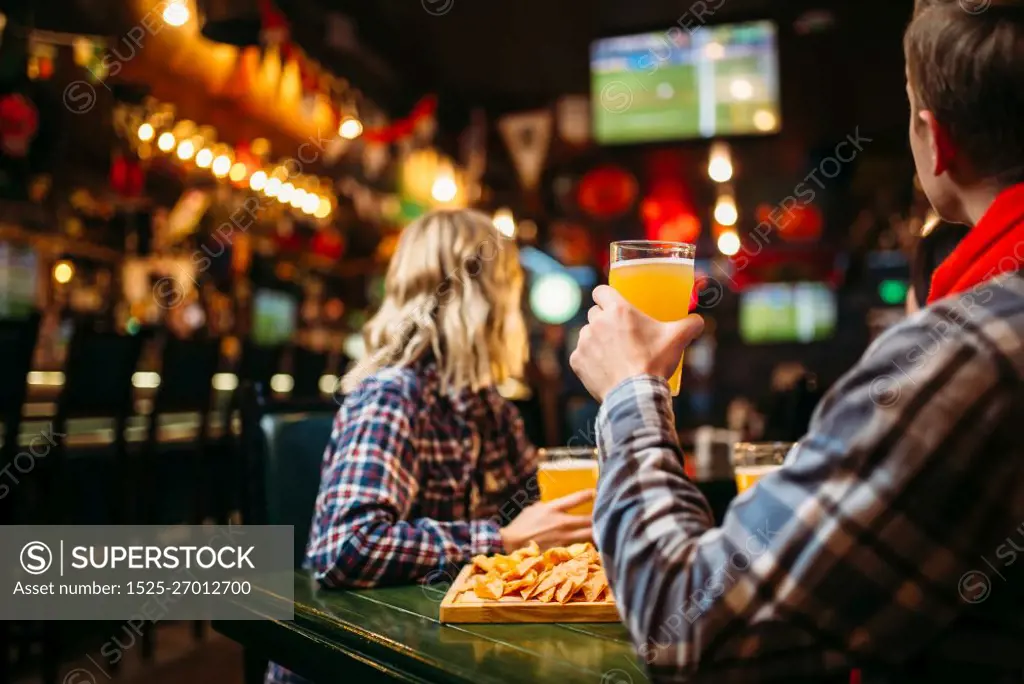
(19, 122)
(403, 128)
(328, 243)
(607, 192)
(799, 223)
(126, 176)
(275, 25)
(667, 210)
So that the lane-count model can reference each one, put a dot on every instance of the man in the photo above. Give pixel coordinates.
(887, 546)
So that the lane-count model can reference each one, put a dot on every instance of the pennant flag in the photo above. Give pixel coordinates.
(528, 135)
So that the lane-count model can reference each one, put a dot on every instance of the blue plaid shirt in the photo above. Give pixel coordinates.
(888, 542)
(415, 482)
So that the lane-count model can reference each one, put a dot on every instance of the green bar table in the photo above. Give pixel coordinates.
(393, 634)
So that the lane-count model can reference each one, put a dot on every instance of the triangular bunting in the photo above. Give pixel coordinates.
(528, 135)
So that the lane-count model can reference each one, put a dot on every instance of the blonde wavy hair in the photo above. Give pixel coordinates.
(454, 288)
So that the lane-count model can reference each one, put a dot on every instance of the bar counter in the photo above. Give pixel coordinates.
(393, 634)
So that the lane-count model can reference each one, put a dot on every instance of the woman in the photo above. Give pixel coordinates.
(428, 464)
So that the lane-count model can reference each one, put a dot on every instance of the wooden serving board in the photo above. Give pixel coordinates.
(462, 605)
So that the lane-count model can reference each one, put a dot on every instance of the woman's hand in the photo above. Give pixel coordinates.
(549, 524)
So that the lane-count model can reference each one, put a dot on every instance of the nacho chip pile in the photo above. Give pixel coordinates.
(561, 575)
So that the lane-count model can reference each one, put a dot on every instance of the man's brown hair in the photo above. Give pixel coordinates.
(965, 62)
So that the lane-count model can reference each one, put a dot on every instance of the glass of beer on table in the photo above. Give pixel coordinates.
(657, 278)
(752, 461)
(566, 470)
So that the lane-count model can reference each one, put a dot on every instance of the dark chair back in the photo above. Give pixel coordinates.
(187, 369)
(259, 363)
(97, 383)
(98, 373)
(284, 454)
(307, 368)
(186, 373)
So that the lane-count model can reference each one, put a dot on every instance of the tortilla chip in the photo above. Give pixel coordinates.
(547, 596)
(535, 564)
(528, 592)
(484, 564)
(519, 584)
(556, 555)
(490, 588)
(566, 589)
(579, 549)
(595, 584)
(526, 552)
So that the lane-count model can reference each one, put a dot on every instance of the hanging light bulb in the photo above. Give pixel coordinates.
(310, 204)
(165, 142)
(221, 166)
(323, 209)
(186, 149)
(350, 128)
(720, 163)
(504, 222)
(285, 195)
(204, 158)
(258, 180)
(273, 187)
(725, 211)
(237, 172)
(176, 13)
(729, 242)
(146, 132)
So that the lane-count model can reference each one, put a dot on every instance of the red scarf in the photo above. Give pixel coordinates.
(993, 247)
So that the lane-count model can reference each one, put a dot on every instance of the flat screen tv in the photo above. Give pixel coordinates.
(787, 312)
(675, 84)
(274, 317)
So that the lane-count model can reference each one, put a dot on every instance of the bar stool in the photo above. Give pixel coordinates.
(186, 372)
(97, 384)
(258, 364)
(283, 450)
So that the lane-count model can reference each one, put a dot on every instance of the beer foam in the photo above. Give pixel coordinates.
(569, 464)
(669, 261)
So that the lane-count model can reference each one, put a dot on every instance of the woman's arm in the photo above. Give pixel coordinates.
(368, 487)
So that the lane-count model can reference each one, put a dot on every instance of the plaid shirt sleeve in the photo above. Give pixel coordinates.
(362, 535)
(851, 553)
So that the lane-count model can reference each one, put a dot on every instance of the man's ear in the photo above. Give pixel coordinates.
(939, 143)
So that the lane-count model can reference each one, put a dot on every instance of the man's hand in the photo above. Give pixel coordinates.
(548, 524)
(622, 342)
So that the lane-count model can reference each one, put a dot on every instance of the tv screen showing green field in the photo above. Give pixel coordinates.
(787, 312)
(675, 84)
